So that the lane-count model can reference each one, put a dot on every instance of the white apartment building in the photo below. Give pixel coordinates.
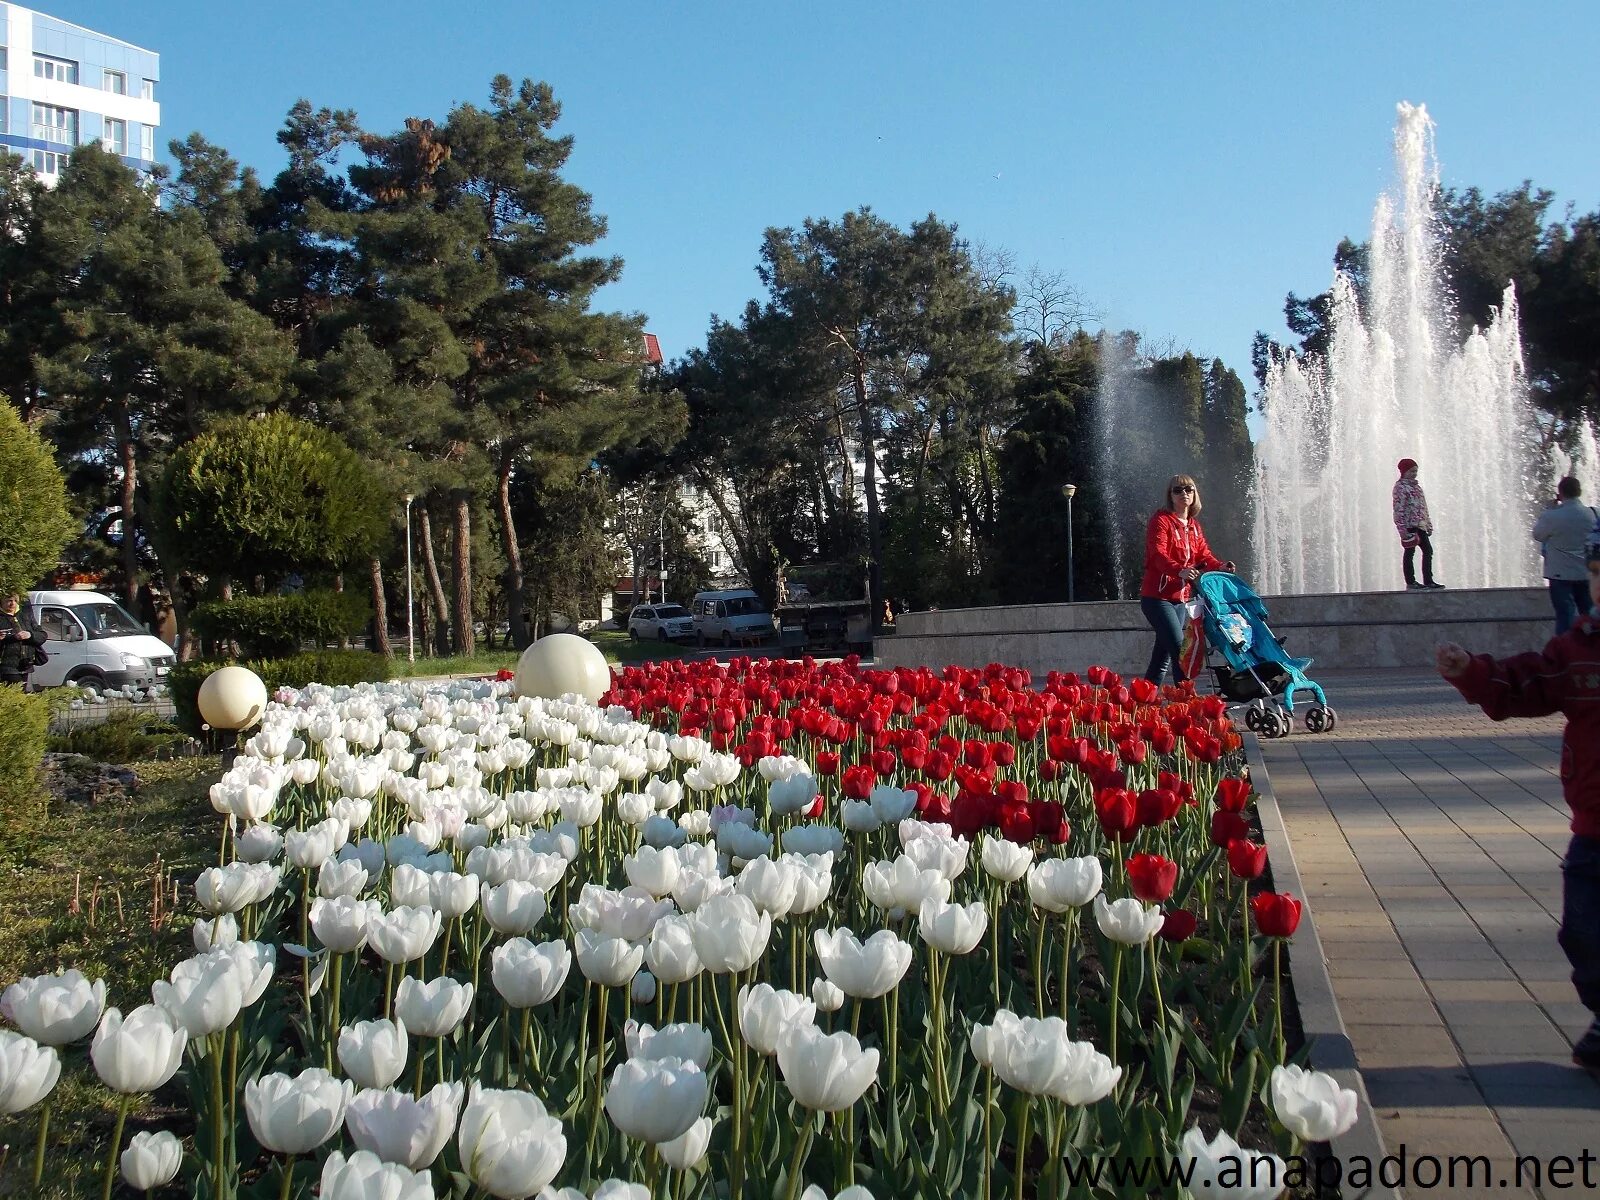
(62, 85)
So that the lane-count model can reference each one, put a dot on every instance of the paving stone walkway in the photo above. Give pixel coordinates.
(1429, 840)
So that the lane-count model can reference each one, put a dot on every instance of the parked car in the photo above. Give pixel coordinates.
(730, 616)
(663, 622)
(95, 642)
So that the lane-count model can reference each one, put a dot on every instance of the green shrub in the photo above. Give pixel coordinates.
(123, 737)
(332, 667)
(33, 499)
(24, 725)
(269, 496)
(277, 626)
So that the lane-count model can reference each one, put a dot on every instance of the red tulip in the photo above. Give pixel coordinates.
(1246, 859)
(883, 762)
(1179, 925)
(1152, 877)
(1277, 914)
(827, 762)
(1228, 827)
(1118, 814)
(1157, 806)
(1017, 823)
(858, 782)
(1232, 794)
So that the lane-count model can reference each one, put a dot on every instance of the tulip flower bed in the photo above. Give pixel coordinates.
(759, 929)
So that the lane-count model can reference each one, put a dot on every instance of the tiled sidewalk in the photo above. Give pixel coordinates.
(1429, 840)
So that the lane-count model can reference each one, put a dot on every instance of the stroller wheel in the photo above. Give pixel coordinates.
(1272, 724)
(1332, 718)
(1252, 718)
(1316, 719)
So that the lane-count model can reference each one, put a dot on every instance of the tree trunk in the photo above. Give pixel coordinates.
(521, 635)
(130, 520)
(430, 569)
(869, 484)
(380, 610)
(461, 575)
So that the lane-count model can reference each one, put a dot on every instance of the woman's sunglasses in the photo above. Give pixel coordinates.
(1182, 487)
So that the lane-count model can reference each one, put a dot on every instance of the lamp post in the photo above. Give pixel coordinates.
(411, 629)
(661, 537)
(1069, 490)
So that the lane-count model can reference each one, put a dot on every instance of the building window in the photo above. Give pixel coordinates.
(116, 139)
(116, 83)
(4, 60)
(62, 70)
(5, 108)
(147, 142)
(147, 89)
(48, 162)
(52, 123)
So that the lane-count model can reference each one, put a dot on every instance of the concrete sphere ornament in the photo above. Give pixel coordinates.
(561, 663)
(232, 698)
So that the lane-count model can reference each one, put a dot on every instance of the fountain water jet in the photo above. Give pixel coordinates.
(1396, 385)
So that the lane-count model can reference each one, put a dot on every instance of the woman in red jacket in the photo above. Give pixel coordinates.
(1175, 552)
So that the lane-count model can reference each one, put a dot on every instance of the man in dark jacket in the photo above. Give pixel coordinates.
(1562, 678)
(21, 641)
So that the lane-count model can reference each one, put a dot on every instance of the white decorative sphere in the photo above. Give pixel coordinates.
(561, 663)
(232, 698)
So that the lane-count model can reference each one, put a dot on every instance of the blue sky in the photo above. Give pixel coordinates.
(1184, 165)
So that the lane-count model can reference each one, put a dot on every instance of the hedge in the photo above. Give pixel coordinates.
(33, 499)
(277, 626)
(24, 730)
(332, 667)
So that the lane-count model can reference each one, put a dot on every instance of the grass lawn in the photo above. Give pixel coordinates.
(617, 647)
(92, 887)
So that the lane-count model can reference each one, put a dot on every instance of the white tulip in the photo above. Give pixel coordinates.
(1221, 1169)
(151, 1159)
(1005, 861)
(1059, 884)
(1312, 1105)
(433, 1009)
(373, 1053)
(952, 928)
(686, 1040)
(55, 1009)
(1127, 921)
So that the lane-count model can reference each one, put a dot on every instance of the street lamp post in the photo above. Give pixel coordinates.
(661, 536)
(1069, 490)
(411, 629)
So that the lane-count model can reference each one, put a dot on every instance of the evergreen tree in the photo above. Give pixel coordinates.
(152, 345)
(1051, 444)
(33, 498)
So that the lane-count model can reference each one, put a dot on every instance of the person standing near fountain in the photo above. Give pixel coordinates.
(1562, 532)
(1415, 526)
(1175, 552)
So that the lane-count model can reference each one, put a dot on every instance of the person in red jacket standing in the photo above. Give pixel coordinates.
(1175, 552)
(1564, 677)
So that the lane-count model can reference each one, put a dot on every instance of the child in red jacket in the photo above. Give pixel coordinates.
(1564, 677)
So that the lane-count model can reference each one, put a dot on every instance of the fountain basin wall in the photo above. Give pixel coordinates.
(1362, 630)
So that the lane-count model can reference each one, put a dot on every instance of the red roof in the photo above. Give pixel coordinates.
(652, 349)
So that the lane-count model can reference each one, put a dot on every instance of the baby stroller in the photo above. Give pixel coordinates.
(1255, 668)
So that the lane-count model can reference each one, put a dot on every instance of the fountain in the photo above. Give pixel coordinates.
(1398, 383)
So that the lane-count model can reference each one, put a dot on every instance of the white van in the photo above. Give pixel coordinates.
(730, 616)
(96, 643)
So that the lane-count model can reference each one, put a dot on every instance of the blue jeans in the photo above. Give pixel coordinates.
(1167, 619)
(1580, 917)
(1570, 599)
